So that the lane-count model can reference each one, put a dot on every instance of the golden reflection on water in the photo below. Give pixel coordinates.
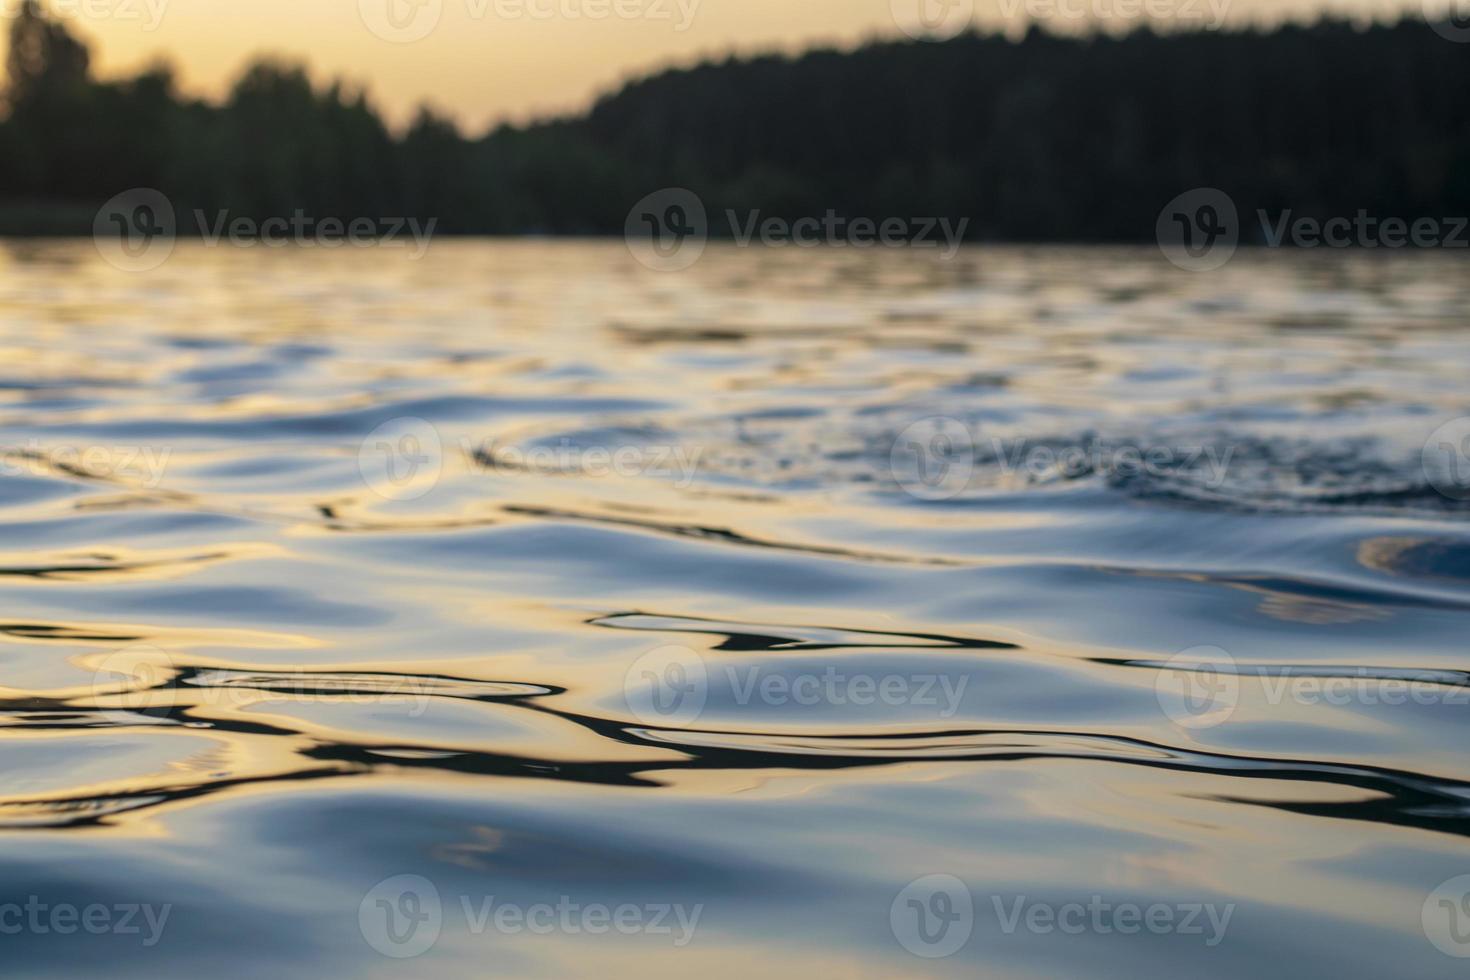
(220, 636)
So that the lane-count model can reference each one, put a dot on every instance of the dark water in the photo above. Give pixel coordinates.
(1039, 613)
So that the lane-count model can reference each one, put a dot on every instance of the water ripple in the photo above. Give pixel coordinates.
(384, 570)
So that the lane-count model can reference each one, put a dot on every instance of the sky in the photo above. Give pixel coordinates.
(483, 61)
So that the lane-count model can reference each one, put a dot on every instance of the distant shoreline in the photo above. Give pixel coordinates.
(1043, 139)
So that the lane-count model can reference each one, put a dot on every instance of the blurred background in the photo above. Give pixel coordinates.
(1038, 120)
(839, 606)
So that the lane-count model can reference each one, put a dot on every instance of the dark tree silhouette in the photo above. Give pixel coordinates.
(1045, 138)
(43, 58)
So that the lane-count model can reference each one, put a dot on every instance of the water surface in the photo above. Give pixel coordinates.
(346, 599)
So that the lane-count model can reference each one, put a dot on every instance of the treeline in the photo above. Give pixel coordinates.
(1046, 138)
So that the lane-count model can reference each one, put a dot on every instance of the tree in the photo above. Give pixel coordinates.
(44, 58)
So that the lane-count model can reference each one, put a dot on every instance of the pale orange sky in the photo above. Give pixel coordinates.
(484, 62)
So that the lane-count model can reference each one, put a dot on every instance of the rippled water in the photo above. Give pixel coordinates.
(536, 614)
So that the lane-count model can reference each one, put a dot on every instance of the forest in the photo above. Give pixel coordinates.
(1042, 138)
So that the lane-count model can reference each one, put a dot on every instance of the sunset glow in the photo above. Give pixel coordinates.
(486, 60)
